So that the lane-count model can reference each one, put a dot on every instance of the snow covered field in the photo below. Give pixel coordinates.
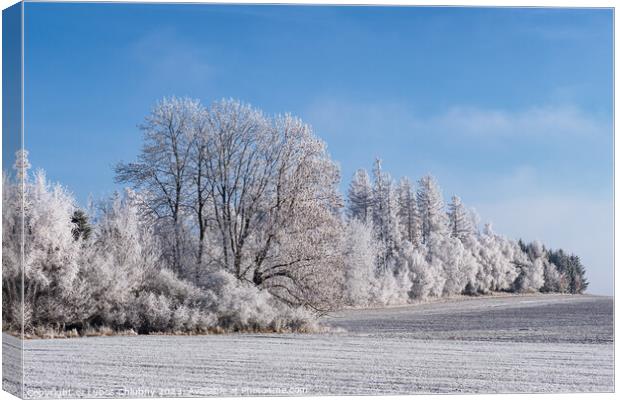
(544, 343)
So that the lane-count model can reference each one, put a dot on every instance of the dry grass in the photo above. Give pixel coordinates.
(53, 333)
(278, 327)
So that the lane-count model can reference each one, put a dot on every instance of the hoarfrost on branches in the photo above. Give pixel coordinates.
(233, 221)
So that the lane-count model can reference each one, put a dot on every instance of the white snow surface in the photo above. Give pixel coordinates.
(542, 343)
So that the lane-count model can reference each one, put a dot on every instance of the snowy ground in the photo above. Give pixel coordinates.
(549, 343)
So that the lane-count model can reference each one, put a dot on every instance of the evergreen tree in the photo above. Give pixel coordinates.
(385, 218)
(360, 197)
(408, 215)
(570, 266)
(82, 229)
(430, 208)
(459, 219)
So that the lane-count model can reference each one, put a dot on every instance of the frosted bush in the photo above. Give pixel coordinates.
(420, 277)
(155, 313)
(359, 252)
(241, 306)
(532, 262)
(117, 277)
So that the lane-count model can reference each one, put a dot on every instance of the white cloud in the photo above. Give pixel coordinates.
(556, 121)
(373, 119)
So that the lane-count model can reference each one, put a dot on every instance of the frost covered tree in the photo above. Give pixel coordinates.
(239, 165)
(570, 267)
(459, 218)
(199, 192)
(127, 282)
(408, 215)
(124, 253)
(459, 266)
(385, 219)
(452, 256)
(360, 197)
(297, 255)
(250, 194)
(430, 208)
(12, 239)
(531, 268)
(13, 184)
(273, 195)
(51, 253)
(496, 257)
(162, 171)
(434, 233)
(555, 281)
(359, 252)
(118, 277)
(37, 220)
(422, 277)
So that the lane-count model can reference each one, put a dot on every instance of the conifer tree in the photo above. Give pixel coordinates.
(459, 219)
(385, 218)
(82, 229)
(408, 215)
(360, 197)
(430, 208)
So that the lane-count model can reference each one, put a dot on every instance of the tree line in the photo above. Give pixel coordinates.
(232, 220)
(404, 243)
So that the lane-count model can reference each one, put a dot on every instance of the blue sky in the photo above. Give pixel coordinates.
(509, 108)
